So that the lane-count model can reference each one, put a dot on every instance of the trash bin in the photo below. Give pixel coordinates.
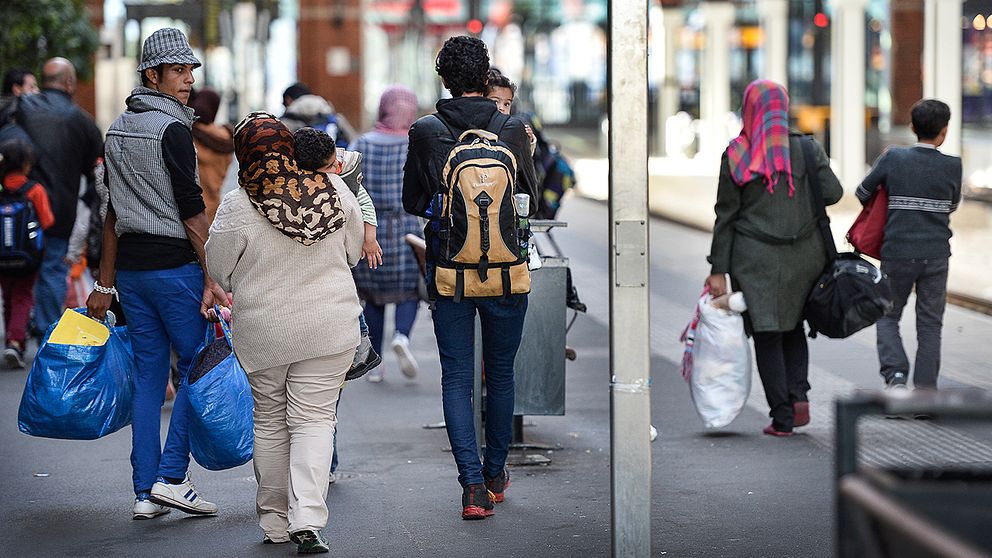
(540, 361)
(905, 510)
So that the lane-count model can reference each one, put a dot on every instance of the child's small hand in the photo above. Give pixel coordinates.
(530, 133)
(373, 252)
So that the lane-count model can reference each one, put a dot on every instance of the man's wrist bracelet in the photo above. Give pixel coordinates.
(104, 290)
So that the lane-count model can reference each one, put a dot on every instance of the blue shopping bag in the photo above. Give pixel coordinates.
(221, 430)
(79, 392)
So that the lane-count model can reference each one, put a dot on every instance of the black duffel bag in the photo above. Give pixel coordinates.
(852, 293)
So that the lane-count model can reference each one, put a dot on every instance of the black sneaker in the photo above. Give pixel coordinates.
(365, 359)
(309, 542)
(896, 381)
(477, 502)
(13, 357)
(498, 485)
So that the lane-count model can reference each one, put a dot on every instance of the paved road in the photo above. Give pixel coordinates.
(732, 494)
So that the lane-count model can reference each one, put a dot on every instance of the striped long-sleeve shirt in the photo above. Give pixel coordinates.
(924, 187)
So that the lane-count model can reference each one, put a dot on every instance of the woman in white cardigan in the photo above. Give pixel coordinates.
(284, 245)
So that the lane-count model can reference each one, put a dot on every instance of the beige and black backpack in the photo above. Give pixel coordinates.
(479, 248)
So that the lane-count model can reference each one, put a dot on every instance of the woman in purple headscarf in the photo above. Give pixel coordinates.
(395, 281)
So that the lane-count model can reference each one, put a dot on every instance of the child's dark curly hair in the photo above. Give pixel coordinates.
(497, 79)
(14, 155)
(463, 64)
(313, 148)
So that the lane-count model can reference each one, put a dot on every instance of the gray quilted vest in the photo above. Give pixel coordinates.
(140, 185)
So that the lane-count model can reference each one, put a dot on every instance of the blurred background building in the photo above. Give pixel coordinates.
(841, 59)
(853, 68)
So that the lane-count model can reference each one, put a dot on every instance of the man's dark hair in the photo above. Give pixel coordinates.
(159, 70)
(313, 148)
(497, 79)
(463, 64)
(14, 77)
(14, 154)
(930, 116)
(296, 91)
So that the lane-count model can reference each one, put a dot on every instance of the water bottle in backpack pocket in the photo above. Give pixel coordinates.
(21, 238)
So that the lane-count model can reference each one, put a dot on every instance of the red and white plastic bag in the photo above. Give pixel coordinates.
(717, 360)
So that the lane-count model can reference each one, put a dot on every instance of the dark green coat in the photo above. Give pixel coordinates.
(769, 243)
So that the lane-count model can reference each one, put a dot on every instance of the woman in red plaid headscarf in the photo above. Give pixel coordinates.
(767, 239)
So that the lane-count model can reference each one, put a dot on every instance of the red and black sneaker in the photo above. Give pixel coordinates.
(498, 485)
(477, 502)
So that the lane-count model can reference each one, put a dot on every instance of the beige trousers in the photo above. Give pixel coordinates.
(294, 435)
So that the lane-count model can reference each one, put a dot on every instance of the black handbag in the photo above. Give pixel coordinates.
(852, 293)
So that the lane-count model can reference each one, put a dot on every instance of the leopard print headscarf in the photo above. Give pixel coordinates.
(303, 205)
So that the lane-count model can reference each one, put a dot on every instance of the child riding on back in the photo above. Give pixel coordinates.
(315, 151)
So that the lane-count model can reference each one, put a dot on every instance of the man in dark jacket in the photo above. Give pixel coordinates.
(153, 247)
(68, 144)
(463, 65)
(16, 82)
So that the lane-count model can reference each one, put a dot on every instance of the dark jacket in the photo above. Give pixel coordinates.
(431, 140)
(769, 243)
(68, 144)
(8, 104)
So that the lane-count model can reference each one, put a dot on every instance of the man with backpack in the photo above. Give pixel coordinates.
(465, 165)
(68, 144)
(304, 108)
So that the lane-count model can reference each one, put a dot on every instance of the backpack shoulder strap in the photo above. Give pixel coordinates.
(816, 197)
(25, 188)
(498, 122)
(450, 131)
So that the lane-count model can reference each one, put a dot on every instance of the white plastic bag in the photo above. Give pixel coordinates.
(717, 363)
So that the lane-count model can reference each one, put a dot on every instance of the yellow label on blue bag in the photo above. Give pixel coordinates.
(76, 329)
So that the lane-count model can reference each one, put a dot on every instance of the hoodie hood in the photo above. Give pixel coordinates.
(143, 99)
(465, 113)
(310, 108)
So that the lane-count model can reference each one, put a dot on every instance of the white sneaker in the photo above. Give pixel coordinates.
(401, 346)
(145, 509)
(182, 496)
(331, 478)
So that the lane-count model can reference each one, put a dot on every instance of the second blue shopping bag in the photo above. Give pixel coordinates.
(221, 430)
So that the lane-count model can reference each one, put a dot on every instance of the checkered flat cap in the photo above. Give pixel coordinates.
(166, 46)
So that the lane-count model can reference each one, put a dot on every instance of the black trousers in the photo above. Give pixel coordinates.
(783, 364)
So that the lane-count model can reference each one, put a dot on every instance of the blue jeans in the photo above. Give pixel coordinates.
(454, 326)
(930, 279)
(50, 290)
(163, 313)
(406, 314)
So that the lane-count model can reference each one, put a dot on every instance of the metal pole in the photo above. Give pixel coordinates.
(630, 398)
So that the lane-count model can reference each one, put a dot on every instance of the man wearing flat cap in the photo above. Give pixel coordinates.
(153, 257)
